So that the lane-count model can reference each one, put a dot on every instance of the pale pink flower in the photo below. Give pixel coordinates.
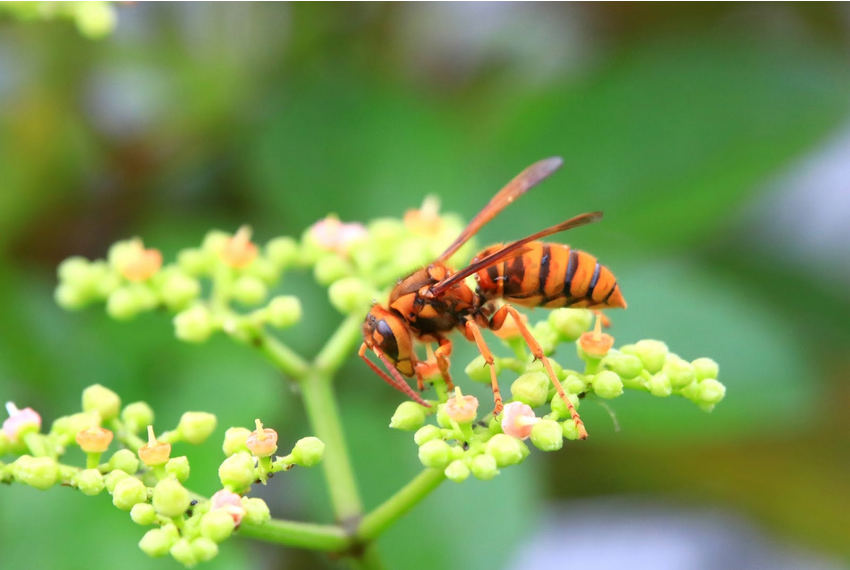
(229, 502)
(262, 442)
(19, 419)
(461, 408)
(333, 235)
(518, 419)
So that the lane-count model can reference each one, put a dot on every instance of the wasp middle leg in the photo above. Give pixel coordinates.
(496, 322)
(473, 333)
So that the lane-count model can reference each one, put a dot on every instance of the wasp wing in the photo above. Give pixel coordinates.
(522, 183)
(512, 250)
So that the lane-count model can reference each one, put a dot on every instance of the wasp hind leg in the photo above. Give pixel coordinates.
(473, 333)
(496, 323)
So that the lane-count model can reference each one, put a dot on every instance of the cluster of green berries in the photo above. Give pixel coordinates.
(93, 19)
(354, 261)
(142, 477)
(461, 443)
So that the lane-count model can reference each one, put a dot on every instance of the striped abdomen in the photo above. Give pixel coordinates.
(550, 275)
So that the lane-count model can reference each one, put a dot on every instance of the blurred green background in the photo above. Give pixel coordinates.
(714, 136)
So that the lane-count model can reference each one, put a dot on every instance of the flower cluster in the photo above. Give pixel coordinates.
(354, 261)
(461, 442)
(93, 19)
(144, 478)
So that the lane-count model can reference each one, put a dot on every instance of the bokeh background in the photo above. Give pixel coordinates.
(714, 136)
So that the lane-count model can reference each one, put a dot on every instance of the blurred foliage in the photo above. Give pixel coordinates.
(672, 120)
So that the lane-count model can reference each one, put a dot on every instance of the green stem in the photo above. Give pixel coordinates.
(281, 355)
(399, 504)
(322, 410)
(339, 346)
(329, 538)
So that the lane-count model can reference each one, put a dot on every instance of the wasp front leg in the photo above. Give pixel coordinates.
(496, 323)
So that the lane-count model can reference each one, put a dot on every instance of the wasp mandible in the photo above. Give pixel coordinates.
(433, 301)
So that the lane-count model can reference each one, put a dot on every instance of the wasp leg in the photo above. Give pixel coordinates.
(496, 323)
(442, 353)
(396, 381)
(474, 333)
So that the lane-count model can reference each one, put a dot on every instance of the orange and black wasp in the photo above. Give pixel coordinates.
(435, 300)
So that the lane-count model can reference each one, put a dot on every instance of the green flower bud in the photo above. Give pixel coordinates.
(178, 467)
(506, 450)
(196, 427)
(104, 401)
(574, 384)
(193, 261)
(156, 543)
(75, 271)
(711, 391)
(351, 295)
(679, 372)
(170, 498)
(546, 336)
(705, 368)
(282, 251)
(308, 451)
(570, 430)
(479, 371)
(111, 479)
(127, 492)
(652, 353)
(39, 472)
(457, 471)
(256, 511)
(442, 417)
(484, 467)
(143, 514)
(214, 242)
(95, 20)
(537, 366)
(427, 433)
(204, 549)
(626, 366)
(179, 290)
(332, 268)
(606, 384)
(137, 416)
(435, 453)
(234, 440)
(284, 311)
(264, 269)
(182, 552)
(408, 416)
(89, 482)
(71, 297)
(547, 435)
(237, 472)
(217, 525)
(250, 290)
(659, 385)
(531, 388)
(127, 302)
(560, 407)
(568, 324)
(194, 324)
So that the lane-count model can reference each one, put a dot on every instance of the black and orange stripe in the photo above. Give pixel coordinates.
(550, 275)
